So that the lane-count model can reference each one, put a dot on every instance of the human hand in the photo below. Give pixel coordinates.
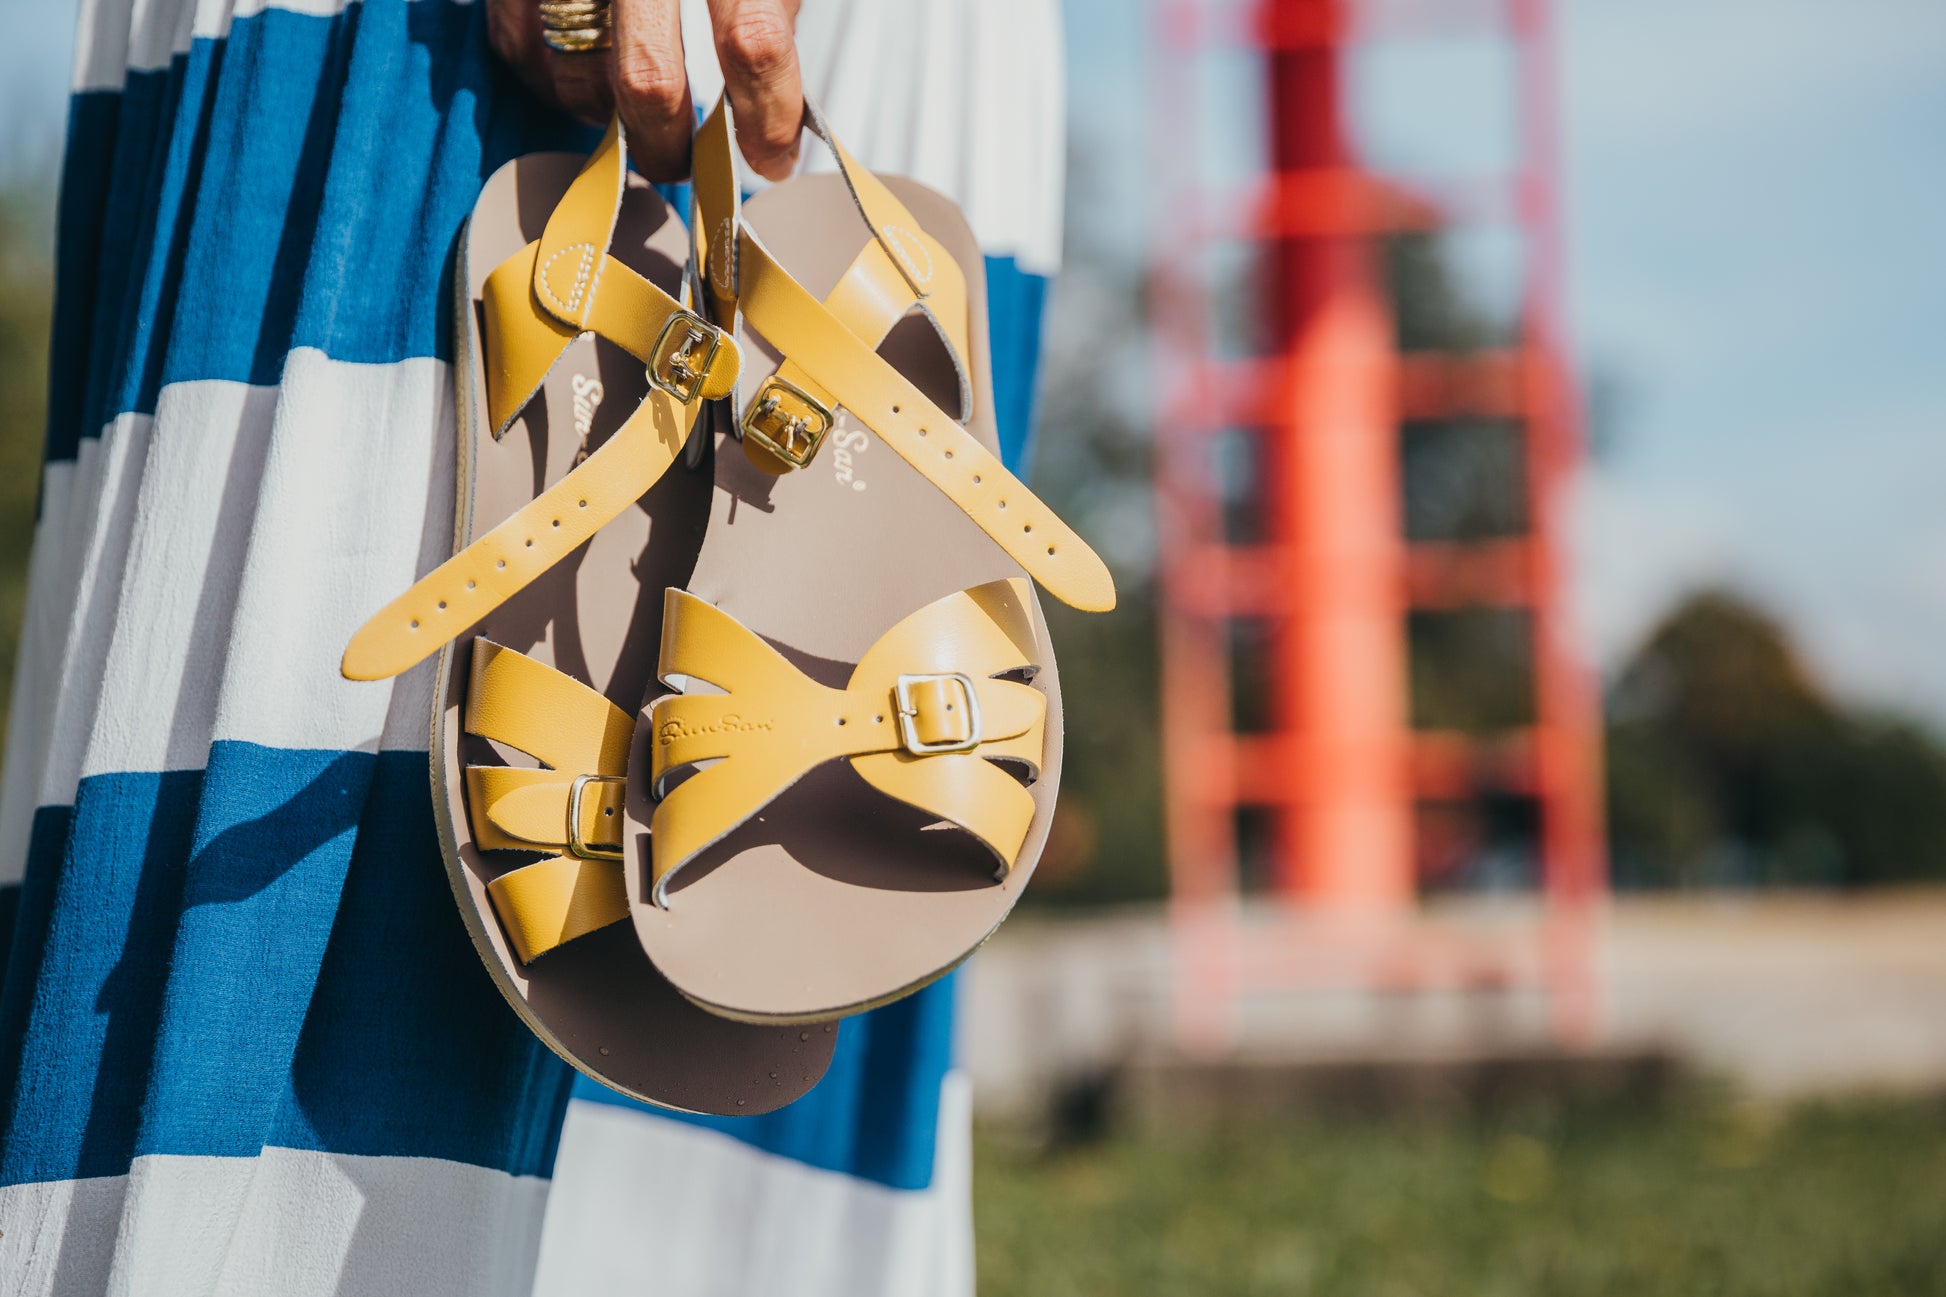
(642, 75)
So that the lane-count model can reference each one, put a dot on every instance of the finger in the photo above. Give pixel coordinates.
(514, 33)
(581, 83)
(756, 42)
(652, 86)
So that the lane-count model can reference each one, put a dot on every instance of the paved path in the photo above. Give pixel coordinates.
(1785, 995)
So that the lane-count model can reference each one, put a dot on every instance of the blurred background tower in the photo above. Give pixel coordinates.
(1365, 700)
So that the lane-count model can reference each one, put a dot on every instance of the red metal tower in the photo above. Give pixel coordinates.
(1339, 778)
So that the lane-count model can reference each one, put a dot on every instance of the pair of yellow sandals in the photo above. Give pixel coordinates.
(746, 717)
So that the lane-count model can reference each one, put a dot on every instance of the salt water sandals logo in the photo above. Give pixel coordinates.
(858, 772)
(534, 711)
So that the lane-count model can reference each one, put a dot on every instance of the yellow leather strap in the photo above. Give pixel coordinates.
(870, 298)
(716, 210)
(572, 251)
(503, 562)
(523, 342)
(575, 802)
(887, 402)
(529, 810)
(922, 719)
(929, 275)
(900, 269)
(921, 262)
(829, 353)
(527, 326)
(553, 901)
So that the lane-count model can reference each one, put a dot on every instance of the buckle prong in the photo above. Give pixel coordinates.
(686, 372)
(578, 845)
(787, 421)
(908, 712)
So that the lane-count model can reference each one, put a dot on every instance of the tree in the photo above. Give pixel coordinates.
(26, 292)
(1728, 764)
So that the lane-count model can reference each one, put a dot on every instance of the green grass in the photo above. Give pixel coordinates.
(1707, 1200)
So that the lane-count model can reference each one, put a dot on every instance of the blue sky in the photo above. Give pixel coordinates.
(1757, 234)
(1759, 231)
(1756, 196)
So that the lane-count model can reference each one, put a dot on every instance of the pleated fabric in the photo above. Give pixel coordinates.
(245, 1044)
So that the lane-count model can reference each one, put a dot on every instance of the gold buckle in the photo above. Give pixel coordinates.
(908, 710)
(685, 373)
(787, 421)
(578, 846)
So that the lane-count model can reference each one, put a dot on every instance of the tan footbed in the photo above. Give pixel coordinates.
(836, 898)
(596, 1001)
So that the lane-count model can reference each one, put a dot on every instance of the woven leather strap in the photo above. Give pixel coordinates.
(922, 719)
(571, 806)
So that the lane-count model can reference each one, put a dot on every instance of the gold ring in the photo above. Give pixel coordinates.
(576, 26)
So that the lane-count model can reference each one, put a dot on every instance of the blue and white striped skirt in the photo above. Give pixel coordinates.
(245, 1045)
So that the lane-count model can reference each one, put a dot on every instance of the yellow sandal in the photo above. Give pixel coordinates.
(788, 863)
(581, 373)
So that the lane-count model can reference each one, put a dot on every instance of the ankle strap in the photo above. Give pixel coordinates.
(830, 359)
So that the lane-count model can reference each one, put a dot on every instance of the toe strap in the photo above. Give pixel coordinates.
(926, 715)
(572, 805)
